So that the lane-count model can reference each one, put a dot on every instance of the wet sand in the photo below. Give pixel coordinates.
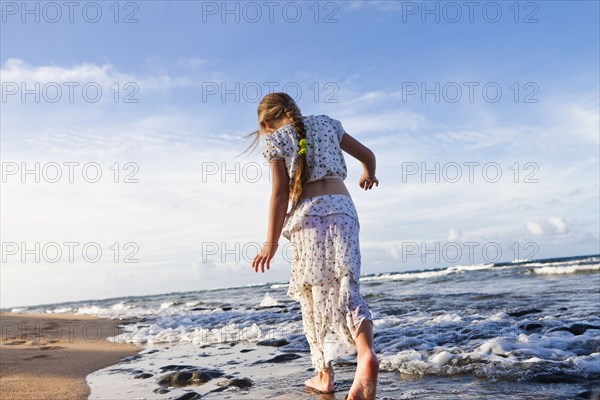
(48, 356)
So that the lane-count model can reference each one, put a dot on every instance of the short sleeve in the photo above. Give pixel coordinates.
(339, 129)
(272, 149)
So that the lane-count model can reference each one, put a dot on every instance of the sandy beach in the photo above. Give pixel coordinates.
(47, 356)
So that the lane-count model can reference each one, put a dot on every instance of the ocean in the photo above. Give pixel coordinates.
(516, 330)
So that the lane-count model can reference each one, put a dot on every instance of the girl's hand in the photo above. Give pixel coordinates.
(366, 182)
(265, 255)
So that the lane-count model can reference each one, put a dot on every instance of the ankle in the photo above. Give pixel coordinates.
(368, 356)
(326, 372)
(367, 353)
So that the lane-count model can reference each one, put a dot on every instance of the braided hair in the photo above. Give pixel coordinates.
(301, 175)
(274, 107)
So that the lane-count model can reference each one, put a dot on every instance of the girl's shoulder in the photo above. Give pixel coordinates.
(287, 131)
(320, 118)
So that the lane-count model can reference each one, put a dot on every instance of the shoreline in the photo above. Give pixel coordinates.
(48, 356)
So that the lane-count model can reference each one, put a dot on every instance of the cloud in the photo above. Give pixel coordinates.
(552, 226)
(585, 122)
(18, 71)
(558, 223)
(456, 235)
(535, 228)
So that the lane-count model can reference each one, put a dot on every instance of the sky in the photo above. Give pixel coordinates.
(122, 124)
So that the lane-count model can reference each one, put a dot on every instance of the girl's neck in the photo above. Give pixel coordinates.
(273, 126)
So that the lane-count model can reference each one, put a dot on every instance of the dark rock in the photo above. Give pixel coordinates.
(575, 329)
(280, 358)
(579, 329)
(590, 394)
(532, 327)
(131, 358)
(226, 308)
(246, 350)
(189, 396)
(520, 313)
(196, 376)
(161, 390)
(273, 342)
(143, 375)
(558, 378)
(241, 383)
(199, 309)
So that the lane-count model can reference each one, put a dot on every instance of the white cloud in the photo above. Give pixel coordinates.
(535, 228)
(456, 235)
(585, 122)
(558, 223)
(18, 71)
(552, 226)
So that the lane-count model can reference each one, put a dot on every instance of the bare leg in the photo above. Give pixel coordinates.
(365, 378)
(323, 382)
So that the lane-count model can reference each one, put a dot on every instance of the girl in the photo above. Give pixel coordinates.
(308, 171)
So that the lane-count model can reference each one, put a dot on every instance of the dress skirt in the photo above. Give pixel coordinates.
(326, 261)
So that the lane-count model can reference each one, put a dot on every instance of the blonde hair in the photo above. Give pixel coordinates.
(274, 107)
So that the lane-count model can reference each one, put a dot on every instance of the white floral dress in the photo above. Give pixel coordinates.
(324, 232)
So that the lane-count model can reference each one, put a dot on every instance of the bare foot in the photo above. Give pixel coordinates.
(365, 378)
(323, 382)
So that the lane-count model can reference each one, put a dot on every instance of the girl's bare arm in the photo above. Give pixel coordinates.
(363, 154)
(277, 211)
(279, 200)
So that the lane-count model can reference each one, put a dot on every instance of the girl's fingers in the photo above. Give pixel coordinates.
(259, 262)
(256, 263)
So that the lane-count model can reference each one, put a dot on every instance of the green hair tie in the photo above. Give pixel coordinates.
(303, 146)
